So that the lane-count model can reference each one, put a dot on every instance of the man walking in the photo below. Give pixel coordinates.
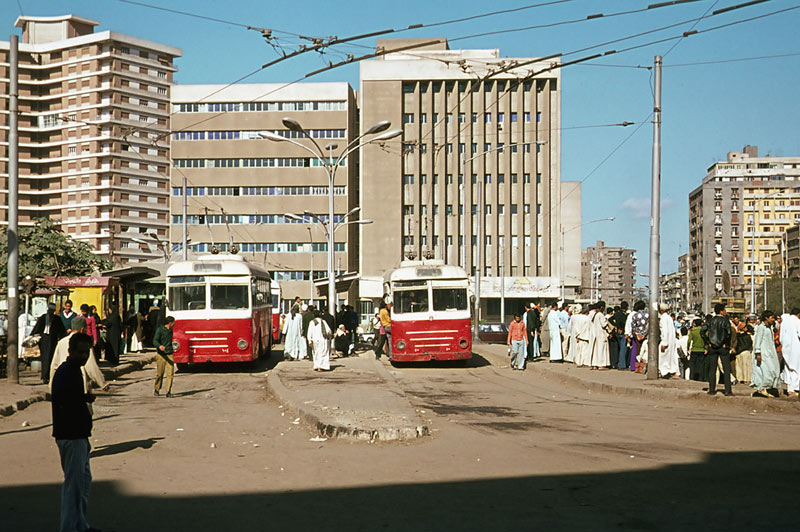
(716, 334)
(516, 341)
(766, 380)
(72, 427)
(164, 361)
(554, 327)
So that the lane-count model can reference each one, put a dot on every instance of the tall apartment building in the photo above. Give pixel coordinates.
(736, 220)
(608, 273)
(467, 129)
(672, 287)
(240, 185)
(93, 127)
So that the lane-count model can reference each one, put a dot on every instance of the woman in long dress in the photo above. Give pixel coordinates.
(294, 346)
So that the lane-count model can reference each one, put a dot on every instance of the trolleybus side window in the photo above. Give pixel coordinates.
(229, 296)
(449, 298)
(187, 297)
(261, 295)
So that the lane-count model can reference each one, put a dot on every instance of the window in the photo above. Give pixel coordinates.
(487, 118)
(408, 179)
(414, 299)
(501, 178)
(189, 296)
(450, 299)
(408, 118)
(229, 297)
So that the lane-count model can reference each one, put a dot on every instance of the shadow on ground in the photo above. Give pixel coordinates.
(727, 491)
(123, 447)
(265, 363)
(477, 361)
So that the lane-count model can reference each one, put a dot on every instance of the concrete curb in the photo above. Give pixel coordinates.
(658, 392)
(331, 428)
(108, 374)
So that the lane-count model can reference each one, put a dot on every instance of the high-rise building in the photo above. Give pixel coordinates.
(239, 185)
(737, 217)
(608, 273)
(93, 134)
(481, 142)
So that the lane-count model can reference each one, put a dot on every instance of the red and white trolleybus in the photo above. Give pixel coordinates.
(222, 307)
(276, 313)
(430, 311)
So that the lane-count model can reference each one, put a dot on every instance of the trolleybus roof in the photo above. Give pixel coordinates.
(222, 264)
(427, 269)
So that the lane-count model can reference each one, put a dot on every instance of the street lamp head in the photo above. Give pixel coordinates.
(383, 125)
(292, 124)
(612, 218)
(352, 211)
(332, 146)
(268, 135)
(364, 221)
(292, 216)
(388, 135)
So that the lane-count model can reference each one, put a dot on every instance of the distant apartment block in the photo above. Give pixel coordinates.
(608, 273)
(737, 217)
(239, 185)
(93, 134)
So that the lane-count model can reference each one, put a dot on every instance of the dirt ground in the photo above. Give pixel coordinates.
(506, 451)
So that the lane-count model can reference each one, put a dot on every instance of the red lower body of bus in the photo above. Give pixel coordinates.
(423, 340)
(215, 340)
(276, 327)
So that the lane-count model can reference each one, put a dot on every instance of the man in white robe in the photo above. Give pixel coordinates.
(790, 342)
(668, 347)
(600, 356)
(554, 326)
(572, 335)
(294, 345)
(319, 336)
(584, 334)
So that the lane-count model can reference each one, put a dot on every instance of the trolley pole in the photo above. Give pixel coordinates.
(655, 226)
(12, 352)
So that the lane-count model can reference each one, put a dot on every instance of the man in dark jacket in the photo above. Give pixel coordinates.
(52, 330)
(716, 333)
(72, 427)
(164, 361)
(533, 322)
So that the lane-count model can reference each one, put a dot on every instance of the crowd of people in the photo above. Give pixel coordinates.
(761, 351)
(308, 332)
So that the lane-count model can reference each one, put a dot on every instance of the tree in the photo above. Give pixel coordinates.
(45, 250)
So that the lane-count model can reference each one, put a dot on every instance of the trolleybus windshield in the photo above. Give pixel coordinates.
(449, 299)
(187, 292)
(230, 296)
(411, 298)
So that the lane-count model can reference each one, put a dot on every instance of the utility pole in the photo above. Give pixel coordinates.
(655, 227)
(12, 352)
(185, 235)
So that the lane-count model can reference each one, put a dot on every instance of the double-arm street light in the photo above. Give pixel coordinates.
(160, 244)
(331, 164)
(609, 219)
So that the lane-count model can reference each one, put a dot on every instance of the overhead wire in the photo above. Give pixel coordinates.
(676, 43)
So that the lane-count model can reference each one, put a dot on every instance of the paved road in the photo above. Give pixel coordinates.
(507, 451)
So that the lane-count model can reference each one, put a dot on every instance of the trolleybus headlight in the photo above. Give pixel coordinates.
(401, 345)
(175, 345)
(463, 343)
(242, 343)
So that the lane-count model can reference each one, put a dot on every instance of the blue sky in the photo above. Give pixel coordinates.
(708, 109)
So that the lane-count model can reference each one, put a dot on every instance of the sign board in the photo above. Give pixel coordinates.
(521, 287)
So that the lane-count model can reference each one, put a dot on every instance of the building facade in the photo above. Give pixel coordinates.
(608, 273)
(477, 170)
(93, 134)
(736, 220)
(240, 185)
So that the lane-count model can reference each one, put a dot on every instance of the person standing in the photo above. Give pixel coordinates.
(137, 335)
(533, 323)
(386, 335)
(600, 356)
(620, 322)
(72, 427)
(696, 349)
(716, 334)
(99, 343)
(668, 346)
(584, 335)
(554, 326)
(790, 342)
(744, 352)
(572, 335)
(67, 315)
(293, 344)
(51, 328)
(766, 380)
(164, 361)
(639, 323)
(516, 341)
(319, 338)
(91, 371)
(113, 324)
(91, 328)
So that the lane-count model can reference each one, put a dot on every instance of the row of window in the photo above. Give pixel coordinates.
(408, 118)
(254, 135)
(250, 107)
(464, 86)
(268, 247)
(408, 240)
(259, 162)
(408, 210)
(409, 147)
(260, 191)
(408, 179)
(250, 219)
